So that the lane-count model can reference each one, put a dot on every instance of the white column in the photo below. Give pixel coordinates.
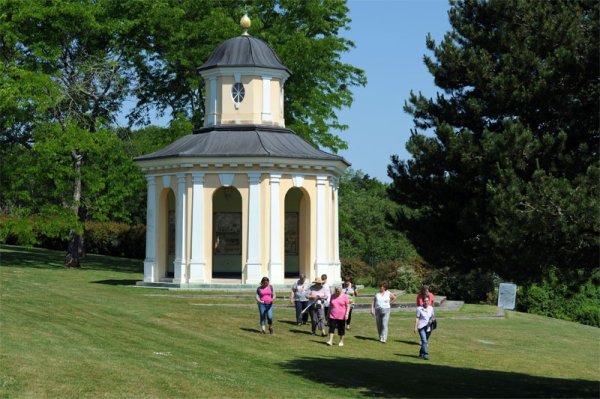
(253, 263)
(275, 266)
(336, 267)
(180, 238)
(321, 257)
(266, 103)
(212, 101)
(150, 273)
(198, 261)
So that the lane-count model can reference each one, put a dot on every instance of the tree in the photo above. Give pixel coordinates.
(505, 168)
(170, 41)
(66, 56)
(365, 228)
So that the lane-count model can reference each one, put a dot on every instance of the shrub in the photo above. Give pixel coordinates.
(474, 287)
(115, 239)
(104, 238)
(354, 268)
(573, 295)
(400, 275)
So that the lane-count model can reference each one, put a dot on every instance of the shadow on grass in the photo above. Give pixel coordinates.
(361, 337)
(407, 342)
(389, 379)
(294, 331)
(251, 330)
(39, 258)
(115, 282)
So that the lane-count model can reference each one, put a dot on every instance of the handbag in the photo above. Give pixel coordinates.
(433, 324)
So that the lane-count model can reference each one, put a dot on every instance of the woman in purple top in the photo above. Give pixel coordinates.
(339, 307)
(265, 295)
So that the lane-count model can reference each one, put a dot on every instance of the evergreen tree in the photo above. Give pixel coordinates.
(505, 168)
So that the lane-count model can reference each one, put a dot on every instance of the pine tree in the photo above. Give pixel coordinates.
(505, 168)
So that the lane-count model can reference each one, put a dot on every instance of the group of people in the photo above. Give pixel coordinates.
(333, 308)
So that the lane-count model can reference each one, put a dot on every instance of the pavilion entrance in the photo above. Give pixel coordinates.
(227, 233)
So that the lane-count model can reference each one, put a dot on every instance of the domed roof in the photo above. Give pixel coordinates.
(244, 51)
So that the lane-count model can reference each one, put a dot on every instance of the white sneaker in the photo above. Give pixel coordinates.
(329, 343)
(341, 344)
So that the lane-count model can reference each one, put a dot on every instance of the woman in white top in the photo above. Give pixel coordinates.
(380, 308)
(423, 325)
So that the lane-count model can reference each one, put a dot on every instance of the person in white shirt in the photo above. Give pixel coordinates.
(299, 298)
(380, 309)
(425, 317)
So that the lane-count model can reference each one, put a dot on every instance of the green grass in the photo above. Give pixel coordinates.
(90, 333)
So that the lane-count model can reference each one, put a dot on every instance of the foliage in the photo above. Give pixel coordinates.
(505, 168)
(354, 268)
(399, 275)
(171, 40)
(116, 239)
(52, 232)
(474, 286)
(365, 230)
(35, 229)
(574, 295)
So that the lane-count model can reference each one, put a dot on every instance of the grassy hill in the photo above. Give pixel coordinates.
(90, 333)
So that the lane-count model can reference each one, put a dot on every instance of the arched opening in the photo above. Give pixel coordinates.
(227, 233)
(170, 250)
(297, 227)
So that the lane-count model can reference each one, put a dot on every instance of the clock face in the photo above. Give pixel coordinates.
(238, 92)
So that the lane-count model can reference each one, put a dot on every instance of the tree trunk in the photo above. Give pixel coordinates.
(76, 244)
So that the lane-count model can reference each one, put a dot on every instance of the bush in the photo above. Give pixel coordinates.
(115, 239)
(476, 286)
(399, 275)
(18, 231)
(354, 268)
(104, 238)
(573, 295)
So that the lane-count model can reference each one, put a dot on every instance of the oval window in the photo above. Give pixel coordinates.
(238, 92)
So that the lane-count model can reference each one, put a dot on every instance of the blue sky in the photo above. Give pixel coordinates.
(390, 43)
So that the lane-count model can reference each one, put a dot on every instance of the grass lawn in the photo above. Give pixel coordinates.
(90, 333)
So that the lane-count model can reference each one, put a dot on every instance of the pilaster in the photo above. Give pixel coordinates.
(150, 273)
(198, 261)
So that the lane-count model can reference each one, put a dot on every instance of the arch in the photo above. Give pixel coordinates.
(165, 249)
(297, 233)
(227, 233)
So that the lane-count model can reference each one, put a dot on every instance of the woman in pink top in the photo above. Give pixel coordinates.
(424, 293)
(339, 307)
(265, 295)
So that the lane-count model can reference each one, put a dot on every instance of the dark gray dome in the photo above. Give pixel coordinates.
(244, 51)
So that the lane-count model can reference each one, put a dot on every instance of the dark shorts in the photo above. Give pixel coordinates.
(339, 324)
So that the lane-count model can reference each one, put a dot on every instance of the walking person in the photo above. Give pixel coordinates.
(265, 295)
(329, 291)
(351, 292)
(425, 316)
(380, 308)
(424, 292)
(317, 295)
(339, 308)
(299, 298)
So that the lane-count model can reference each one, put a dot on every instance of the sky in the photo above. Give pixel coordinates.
(389, 36)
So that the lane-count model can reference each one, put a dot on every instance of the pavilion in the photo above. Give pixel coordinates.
(242, 197)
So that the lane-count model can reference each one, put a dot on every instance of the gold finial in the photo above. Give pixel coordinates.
(245, 23)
